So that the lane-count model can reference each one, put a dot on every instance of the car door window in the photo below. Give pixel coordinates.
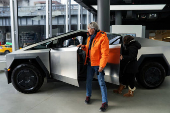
(114, 39)
(41, 46)
(74, 41)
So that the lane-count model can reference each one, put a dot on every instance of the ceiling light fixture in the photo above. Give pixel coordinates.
(135, 7)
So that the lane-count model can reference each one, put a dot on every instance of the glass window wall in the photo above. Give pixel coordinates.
(5, 27)
(58, 17)
(31, 21)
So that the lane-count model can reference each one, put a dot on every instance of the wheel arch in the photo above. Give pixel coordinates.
(31, 60)
(160, 58)
(6, 51)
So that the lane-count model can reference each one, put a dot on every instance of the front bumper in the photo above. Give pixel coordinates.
(1, 51)
(7, 75)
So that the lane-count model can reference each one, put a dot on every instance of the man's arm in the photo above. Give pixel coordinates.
(104, 52)
(83, 47)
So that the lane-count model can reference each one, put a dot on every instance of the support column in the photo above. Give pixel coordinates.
(47, 19)
(92, 17)
(78, 25)
(69, 15)
(87, 18)
(118, 18)
(81, 17)
(14, 24)
(103, 15)
(50, 17)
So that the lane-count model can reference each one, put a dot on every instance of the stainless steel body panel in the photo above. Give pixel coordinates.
(64, 65)
(151, 43)
(165, 50)
(42, 53)
(153, 47)
(112, 67)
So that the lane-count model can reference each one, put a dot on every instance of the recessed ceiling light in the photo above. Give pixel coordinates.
(135, 7)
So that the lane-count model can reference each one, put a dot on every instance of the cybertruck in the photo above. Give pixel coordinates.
(53, 59)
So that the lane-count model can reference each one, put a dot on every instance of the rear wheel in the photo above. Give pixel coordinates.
(26, 78)
(151, 75)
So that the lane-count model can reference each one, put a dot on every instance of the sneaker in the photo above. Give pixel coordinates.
(87, 101)
(103, 107)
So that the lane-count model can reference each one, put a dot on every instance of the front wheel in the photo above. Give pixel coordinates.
(6, 52)
(151, 75)
(26, 78)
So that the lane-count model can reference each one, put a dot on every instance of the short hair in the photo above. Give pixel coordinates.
(127, 39)
(94, 25)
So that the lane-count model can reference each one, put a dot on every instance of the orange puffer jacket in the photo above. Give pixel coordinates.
(99, 49)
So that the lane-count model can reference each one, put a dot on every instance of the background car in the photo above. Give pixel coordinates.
(51, 58)
(5, 49)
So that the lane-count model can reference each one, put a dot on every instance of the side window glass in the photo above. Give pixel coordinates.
(74, 41)
(115, 42)
(113, 39)
(41, 46)
(8, 46)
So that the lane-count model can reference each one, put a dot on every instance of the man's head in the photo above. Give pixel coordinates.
(92, 27)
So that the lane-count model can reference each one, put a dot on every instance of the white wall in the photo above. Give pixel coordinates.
(136, 29)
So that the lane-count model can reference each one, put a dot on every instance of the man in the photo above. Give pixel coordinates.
(97, 52)
(73, 41)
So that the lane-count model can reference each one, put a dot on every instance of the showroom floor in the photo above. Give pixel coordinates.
(64, 98)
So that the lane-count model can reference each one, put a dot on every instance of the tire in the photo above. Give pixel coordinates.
(6, 52)
(26, 78)
(152, 75)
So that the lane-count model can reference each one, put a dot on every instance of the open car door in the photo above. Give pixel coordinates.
(64, 60)
(64, 65)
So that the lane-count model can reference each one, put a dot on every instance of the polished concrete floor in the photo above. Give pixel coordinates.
(64, 98)
(2, 57)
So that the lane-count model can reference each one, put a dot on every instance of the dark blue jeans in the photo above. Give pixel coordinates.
(100, 75)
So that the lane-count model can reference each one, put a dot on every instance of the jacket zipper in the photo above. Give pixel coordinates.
(93, 43)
